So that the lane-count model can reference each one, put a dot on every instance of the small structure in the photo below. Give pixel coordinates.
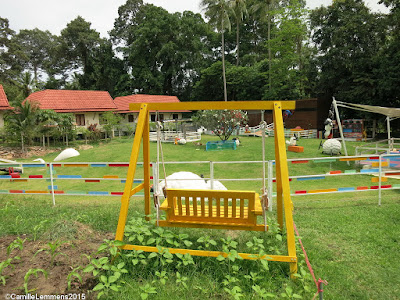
(4, 105)
(87, 106)
(130, 117)
(221, 145)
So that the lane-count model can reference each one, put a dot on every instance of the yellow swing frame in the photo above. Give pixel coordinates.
(284, 202)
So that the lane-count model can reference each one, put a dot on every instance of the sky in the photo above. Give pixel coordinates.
(54, 15)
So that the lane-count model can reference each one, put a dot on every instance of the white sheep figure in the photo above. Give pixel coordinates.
(328, 127)
(332, 147)
(181, 141)
(292, 141)
(188, 181)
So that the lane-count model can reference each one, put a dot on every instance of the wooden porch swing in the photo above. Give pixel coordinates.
(213, 209)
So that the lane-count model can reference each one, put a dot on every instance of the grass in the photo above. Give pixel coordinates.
(350, 241)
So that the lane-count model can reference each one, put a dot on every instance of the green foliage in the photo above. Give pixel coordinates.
(3, 265)
(222, 122)
(21, 122)
(18, 243)
(29, 274)
(111, 121)
(53, 249)
(74, 275)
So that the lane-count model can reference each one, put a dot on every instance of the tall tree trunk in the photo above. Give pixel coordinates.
(237, 42)
(269, 50)
(22, 143)
(66, 139)
(223, 66)
(44, 141)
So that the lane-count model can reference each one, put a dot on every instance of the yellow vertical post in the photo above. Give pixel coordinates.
(131, 172)
(279, 199)
(284, 181)
(146, 167)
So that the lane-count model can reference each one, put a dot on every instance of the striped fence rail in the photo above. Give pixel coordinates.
(379, 171)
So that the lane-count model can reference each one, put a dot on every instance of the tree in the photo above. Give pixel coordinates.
(110, 121)
(78, 40)
(218, 11)
(121, 34)
(163, 52)
(10, 53)
(263, 10)
(221, 122)
(22, 121)
(25, 83)
(47, 119)
(239, 11)
(288, 49)
(348, 39)
(37, 46)
(244, 83)
(388, 72)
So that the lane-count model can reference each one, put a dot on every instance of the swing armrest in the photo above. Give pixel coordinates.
(164, 205)
(257, 205)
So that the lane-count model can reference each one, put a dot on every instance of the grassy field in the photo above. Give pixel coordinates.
(349, 239)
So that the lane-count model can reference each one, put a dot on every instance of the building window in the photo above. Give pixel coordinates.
(175, 116)
(131, 119)
(80, 119)
(153, 117)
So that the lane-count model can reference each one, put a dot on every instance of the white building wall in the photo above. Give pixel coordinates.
(1, 119)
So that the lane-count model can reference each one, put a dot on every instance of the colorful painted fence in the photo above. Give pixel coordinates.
(380, 168)
(55, 181)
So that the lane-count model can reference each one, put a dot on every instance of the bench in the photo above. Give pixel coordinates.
(236, 210)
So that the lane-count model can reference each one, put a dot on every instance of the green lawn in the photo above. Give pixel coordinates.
(351, 242)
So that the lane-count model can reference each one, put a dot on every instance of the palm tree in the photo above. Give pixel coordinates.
(262, 9)
(239, 10)
(23, 120)
(26, 83)
(217, 11)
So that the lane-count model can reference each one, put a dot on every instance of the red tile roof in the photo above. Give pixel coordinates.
(73, 101)
(3, 100)
(123, 102)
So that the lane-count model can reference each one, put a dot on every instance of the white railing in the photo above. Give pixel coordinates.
(170, 136)
(382, 169)
(377, 147)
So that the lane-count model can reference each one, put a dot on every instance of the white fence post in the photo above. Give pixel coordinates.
(212, 174)
(52, 184)
(270, 186)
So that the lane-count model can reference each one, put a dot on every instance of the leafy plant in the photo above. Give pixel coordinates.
(185, 259)
(3, 265)
(17, 243)
(28, 275)
(290, 294)
(106, 284)
(147, 290)
(163, 257)
(261, 292)
(162, 277)
(235, 292)
(53, 250)
(37, 228)
(221, 122)
(72, 274)
(181, 280)
(207, 241)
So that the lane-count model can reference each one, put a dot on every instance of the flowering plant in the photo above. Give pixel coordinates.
(221, 122)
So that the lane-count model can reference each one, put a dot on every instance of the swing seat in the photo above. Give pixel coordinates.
(235, 210)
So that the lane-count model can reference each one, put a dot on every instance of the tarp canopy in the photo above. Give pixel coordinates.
(391, 112)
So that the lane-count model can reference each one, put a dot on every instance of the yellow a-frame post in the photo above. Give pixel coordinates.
(284, 202)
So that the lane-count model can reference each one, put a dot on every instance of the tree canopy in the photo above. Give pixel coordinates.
(258, 49)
